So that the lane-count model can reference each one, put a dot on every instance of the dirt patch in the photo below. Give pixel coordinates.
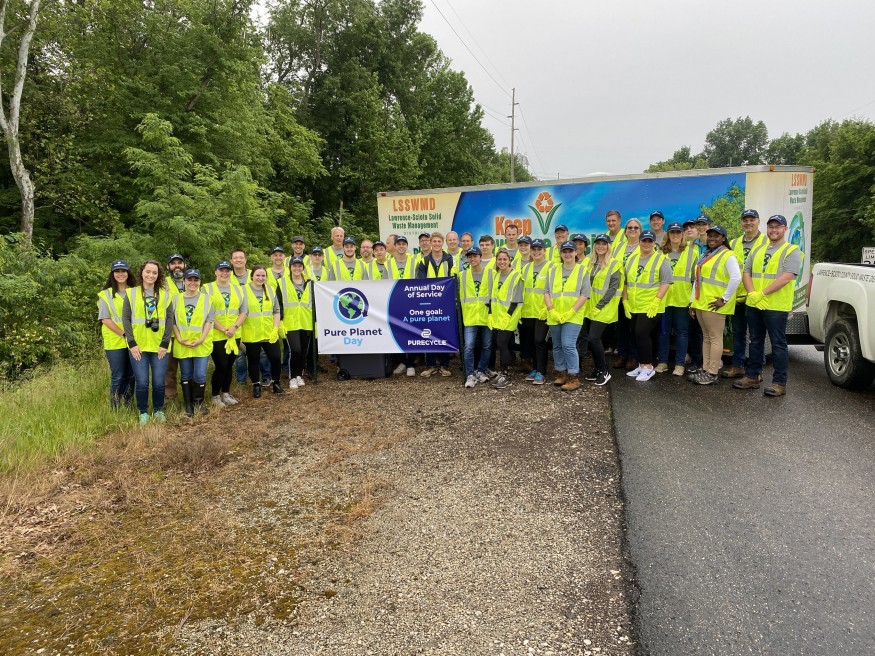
(396, 516)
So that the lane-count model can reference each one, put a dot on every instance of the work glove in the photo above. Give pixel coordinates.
(281, 331)
(755, 299)
(626, 310)
(653, 308)
(566, 316)
(231, 347)
(274, 336)
(554, 315)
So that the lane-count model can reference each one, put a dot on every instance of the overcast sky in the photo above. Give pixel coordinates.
(615, 86)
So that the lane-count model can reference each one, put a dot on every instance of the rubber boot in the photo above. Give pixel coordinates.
(188, 398)
(256, 391)
(199, 391)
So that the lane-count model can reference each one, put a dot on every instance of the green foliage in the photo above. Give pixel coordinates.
(726, 210)
(738, 142)
(784, 149)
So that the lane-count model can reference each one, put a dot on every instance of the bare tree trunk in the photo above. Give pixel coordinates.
(9, 121)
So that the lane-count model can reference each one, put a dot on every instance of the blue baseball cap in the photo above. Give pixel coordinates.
(561, 226)
(297, 238)
(657, 213)
(648, 234)
(750, 213)
(424, 234)
(525, 239)
(223, 264)
(316, 250)
(580, 237)
(120, 265)
(689, 222)
(779, 218)
(278, 249)
(605, 238)
(674, 225)
(192, 273)
(296, 260)
(348, 240)
(538, 243)
(703, 218)
(568, 246)
(400, 238)
(379, 243)
(473, 251)
(175, 256)
(720, 230)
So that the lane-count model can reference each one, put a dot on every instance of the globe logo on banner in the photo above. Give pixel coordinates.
(350, 306)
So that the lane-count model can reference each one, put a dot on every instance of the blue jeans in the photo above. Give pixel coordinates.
(241, 364)
(471, 335)
(565, 347)
(773, 322)
(677, 318)
(141, 367)
(739, 335)
(121, 378)
(194, 369)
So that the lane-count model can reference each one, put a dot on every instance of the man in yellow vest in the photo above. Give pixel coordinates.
(436, 264)
(560, 236)
(298, 248)
(369, 262)
(742, 246)
(349, 267)
(380, 261)
(454, 249)
(770, 271)
(511, 234)
(335, 250)
(613, 222)
(402, 265)
(175, 284)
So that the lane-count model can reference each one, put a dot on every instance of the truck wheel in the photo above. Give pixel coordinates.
(342, 374)
(843, 357)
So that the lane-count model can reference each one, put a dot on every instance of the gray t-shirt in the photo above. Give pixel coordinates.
(190, 304)
(516, 294)
(259, 294)
(583, 283)
(665, 271)
(613, 285)
(226, 291)
(243, 278)
(792, 263)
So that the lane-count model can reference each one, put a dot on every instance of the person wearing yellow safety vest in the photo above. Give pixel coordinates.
(436, 264)
(349, 267)
(566, 294)
(506, 304)
(369, 262)
(613, 222)
(769, 274)
(297, 294)
(402, 265)
(742, 245)
(277, 267)
(147, 317)
(511, 235)
(657, 221)
(466, 243)
(533, 323)
(316, 270)
(581, 243)
(647, 280)
(381, 262)
(424, 247)
(487, 246)
(110, 304)
(627, 349)
(175, 284)
(241, 275)
(454, 250)
(525, 253)
(261, 330)
(193, 328)
(560, 236)
(229, 313)
(475, 291)
(676, 318)
(298, 248)
(605, 281)
(334, 251)
(716, 278)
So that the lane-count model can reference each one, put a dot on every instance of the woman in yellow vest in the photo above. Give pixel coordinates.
(627, 350)
(566, 294)
(506, 304)
(297, 321)
(147, 316)
(229, 306)
(647, 280)
(193, 316)
(676, 317)
(110, 303)
(261, 330)
(475, 290)
(606, 282)
(716, 278)
(533, 324)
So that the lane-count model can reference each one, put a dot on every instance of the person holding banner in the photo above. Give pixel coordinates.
(297, 319)
(475, 291)
(315, 269)
(436, 264)
(566, 294)
(261, 330)
(381, 264)
(349, 267)
(369, 262)
(506, 304)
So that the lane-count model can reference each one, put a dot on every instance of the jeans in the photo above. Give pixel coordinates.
(677, 318)
(471, 335)
(121, 378)
(194, 369)
(773, 322)
(565, 347)
(241, 365)
(142, 367)
(739, 335)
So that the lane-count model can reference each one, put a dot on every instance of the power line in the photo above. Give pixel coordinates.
(498, 84)
(474, 40)
(531, 138)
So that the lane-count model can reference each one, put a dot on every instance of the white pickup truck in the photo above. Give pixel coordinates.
(841, 316)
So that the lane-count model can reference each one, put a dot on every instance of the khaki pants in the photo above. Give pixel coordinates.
(712, 339)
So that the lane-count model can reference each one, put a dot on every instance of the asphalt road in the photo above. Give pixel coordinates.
(751, 520)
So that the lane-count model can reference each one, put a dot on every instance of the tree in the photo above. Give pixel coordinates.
(682, 160)
(785, 149)
(736, 142)
(9, 117)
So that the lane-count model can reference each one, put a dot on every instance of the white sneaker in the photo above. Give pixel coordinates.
(293, 383)
(661, 368)
(646, 374)
(411, 372)
(400, 369)
(481, 377)
(471, 381)
(490, 374)
(217, 400)
(228, 399)
(635, 372)
(300, 381)
(678, 370)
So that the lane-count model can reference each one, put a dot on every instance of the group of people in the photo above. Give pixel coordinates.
(631, 292)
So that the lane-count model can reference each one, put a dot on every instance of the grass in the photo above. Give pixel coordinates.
(65, 407)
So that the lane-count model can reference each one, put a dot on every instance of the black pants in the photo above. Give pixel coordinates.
(503, 339)
(527, 338)
(299, 344)
(253, 354)
(541, 331)
(223, 373)
(646, 334)
(595, 330)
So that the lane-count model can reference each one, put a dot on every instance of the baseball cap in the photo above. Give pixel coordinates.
(379, 243)
(657, 213)
(296, 260)
(424, 234)
(316, 249)
(175, 256)
(223, 264)
(348, 240)
(537, 243)
(779, 218)
(525, 239)
(674, 225)
(702, 218)
(689, 222)
(748, 213)
(400, 238)
(278, 249)
(297, 238)
(561, 226)
(474, 250)
(648, 234)
(568, 246)
(580, 237)
(120, 265)
(720, 230)
(603, 237)
(192, 273)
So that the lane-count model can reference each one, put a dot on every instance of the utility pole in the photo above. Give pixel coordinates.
(512, 117)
